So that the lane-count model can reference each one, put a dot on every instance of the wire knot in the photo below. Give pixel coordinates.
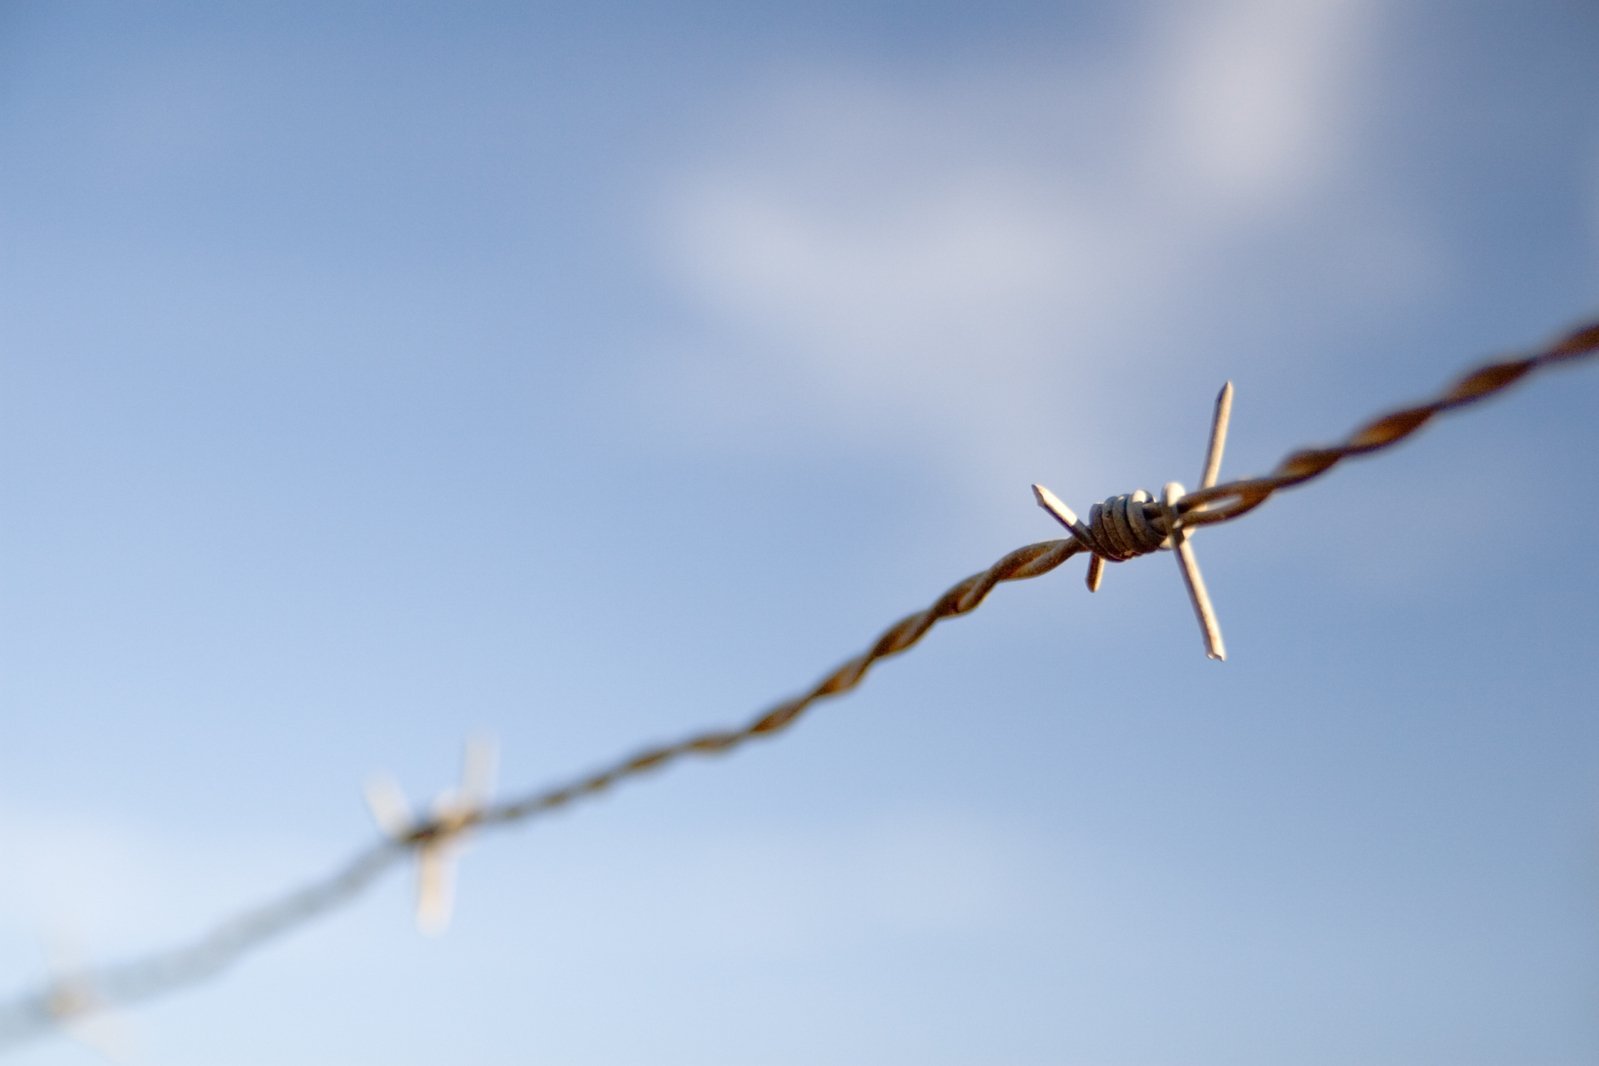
(436, 838)
(1133, 524)
(1126, 526)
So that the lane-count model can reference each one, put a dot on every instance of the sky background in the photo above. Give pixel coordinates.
(373, 374)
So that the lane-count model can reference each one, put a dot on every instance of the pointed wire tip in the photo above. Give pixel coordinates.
(387, 805)
(1218, 436)
(1055, 506)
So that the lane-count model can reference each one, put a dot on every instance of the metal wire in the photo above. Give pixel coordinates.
(75, 995)
(1224, 502)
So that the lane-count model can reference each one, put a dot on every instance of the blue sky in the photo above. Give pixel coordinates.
(376, 374)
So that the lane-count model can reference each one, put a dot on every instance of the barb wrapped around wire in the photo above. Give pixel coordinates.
(436, 840)
(1127, 526)
(1123, 527)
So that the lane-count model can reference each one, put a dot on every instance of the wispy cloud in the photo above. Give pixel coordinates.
(960, 263)
(1258, 95)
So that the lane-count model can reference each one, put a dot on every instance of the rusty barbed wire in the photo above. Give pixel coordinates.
(126, 983)
(79, 993)
(1200, 506)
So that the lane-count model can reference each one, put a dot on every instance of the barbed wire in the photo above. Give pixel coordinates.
(1132, 520)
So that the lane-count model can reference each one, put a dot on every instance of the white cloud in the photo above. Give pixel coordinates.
(986, 270)
(1259, 93)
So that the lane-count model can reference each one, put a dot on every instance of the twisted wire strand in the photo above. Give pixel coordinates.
(77, 995)
(1125, 527)
(1031, 561)
(72, 996)
(1232, 499)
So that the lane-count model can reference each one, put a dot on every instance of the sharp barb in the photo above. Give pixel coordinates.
(1056, 507)
(1064, 515)
(1195, 582)
(1218, 436)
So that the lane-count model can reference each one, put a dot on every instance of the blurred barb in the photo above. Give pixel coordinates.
(437, 841)
(75, 1000)
(62, 1001)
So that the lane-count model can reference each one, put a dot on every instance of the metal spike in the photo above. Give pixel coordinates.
(438, 840)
